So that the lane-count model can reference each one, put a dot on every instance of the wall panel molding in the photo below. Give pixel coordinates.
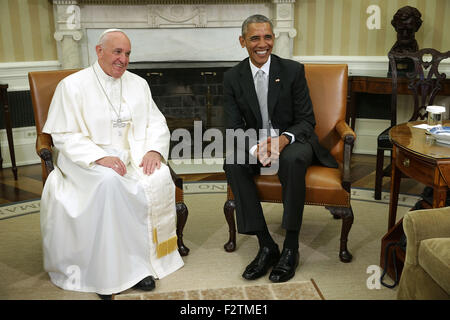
(24, 147)
(15, 74)
(375, 66)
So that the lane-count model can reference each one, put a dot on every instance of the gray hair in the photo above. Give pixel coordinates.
(103, 36)
(256, 18)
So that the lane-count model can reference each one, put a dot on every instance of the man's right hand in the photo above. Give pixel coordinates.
(114, 163)
(269, 150)
(263, 152)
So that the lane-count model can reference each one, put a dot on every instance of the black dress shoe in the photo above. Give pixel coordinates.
(146, 284)
(285, 268)
(265, 259)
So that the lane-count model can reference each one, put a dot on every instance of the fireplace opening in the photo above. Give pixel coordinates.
(187, 95)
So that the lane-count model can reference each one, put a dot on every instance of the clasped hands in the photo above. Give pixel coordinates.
(269, 150)
(150, 162)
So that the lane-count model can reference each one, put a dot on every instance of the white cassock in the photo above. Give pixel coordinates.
(103, 232)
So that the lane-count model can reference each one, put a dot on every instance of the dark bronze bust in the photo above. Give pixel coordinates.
(406, 21)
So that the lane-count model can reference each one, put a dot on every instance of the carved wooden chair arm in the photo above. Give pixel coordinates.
(348, 136)
(345, 130)
(44, 150)
(176, 179)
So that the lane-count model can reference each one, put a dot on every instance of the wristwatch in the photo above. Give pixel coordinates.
(287, 136)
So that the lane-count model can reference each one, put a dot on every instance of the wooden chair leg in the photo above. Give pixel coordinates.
(333, 213)
(182, 214)
(228, 210)
(347, 221)
(346, 215)
(379, 173)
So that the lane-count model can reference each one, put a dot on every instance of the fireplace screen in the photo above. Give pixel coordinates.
(187, 96)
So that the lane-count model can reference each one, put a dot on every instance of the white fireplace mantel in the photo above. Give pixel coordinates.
(165, 31)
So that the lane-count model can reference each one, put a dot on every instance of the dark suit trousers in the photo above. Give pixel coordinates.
(293, 162)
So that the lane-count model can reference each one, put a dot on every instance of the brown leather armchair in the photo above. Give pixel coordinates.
(327, 187)
(42, 88)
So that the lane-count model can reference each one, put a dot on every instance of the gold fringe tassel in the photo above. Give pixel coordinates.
(166, 247)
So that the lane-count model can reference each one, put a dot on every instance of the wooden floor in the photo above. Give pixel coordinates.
(29, 183)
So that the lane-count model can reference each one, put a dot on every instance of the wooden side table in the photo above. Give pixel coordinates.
(7, 117)
(378, 85)
(419, 157)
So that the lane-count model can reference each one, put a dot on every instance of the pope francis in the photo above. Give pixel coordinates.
(108, 209)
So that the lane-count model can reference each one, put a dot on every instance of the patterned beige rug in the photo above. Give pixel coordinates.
(299, 290)
(208, 266)
(19, 208)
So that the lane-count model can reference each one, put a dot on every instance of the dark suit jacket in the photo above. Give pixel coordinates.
(289, 104)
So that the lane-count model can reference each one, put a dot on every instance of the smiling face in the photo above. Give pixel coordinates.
(258, 40)
(114, 54)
